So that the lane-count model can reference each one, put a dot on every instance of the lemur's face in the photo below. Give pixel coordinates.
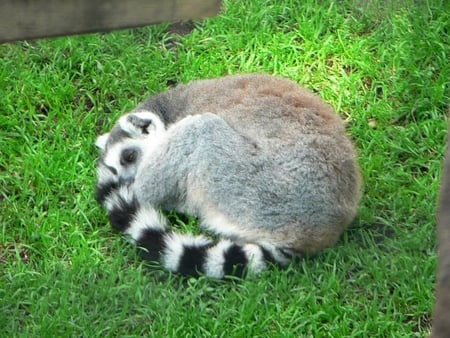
(122, 148)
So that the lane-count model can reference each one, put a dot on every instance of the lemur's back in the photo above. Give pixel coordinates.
(263, 106)
(271, 164)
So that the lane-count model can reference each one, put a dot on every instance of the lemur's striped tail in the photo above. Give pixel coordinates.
(185, 254)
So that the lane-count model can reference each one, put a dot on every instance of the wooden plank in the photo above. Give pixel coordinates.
(441, 314)
(30, 19)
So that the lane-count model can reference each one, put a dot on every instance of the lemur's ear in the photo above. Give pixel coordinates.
(101, 141)
(141, 124)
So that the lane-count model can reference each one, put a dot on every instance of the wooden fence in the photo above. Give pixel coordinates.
(30, 19)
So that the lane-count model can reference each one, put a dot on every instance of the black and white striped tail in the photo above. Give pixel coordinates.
(184, 254)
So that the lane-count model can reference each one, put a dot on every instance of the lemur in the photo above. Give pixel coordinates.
(264, 164)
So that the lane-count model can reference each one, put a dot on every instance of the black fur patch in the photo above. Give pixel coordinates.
(153, 241)
(235, 261)
(122, 214)
(192, 260)
(268, 257)
(104, 190)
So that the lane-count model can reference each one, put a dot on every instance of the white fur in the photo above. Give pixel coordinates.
(105, 175)
(101, 141)
(148, 218)
(255, 257)
(112, 159)
(113, 201)
(215, 259)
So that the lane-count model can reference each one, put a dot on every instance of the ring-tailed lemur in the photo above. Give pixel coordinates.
(264, 164)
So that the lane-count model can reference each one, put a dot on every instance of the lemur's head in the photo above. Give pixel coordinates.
(123, 147)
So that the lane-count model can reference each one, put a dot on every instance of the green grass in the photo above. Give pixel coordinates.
(384, 65)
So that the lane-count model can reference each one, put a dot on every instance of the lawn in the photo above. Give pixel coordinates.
(384, 66)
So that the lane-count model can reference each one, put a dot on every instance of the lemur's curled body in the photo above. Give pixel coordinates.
(263, 164)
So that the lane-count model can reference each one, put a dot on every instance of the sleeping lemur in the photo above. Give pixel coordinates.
(264, 164)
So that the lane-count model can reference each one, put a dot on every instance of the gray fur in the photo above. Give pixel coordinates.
(260, 161)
